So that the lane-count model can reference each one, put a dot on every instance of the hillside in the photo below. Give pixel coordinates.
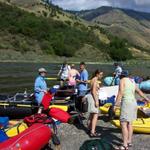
(33, 30)
(30, 33)
(131, 25)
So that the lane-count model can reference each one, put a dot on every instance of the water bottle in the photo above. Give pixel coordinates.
(25, 93)
(76, 90)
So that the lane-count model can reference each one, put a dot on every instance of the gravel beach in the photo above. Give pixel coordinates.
(72, 137)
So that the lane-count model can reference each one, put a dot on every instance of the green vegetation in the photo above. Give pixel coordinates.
(31, 35)
(125, 24)
(118, 50)
(54, 37)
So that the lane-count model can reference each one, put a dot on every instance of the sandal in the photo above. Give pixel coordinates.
(95, 134)
(130, 144)
(121, 148)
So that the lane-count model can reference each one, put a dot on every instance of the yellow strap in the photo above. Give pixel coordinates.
(19, 105)
(143, 120)
(51, 78)
(4, 104)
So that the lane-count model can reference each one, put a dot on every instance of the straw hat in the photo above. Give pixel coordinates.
(42, 70)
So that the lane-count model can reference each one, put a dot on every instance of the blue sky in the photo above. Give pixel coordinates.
(140, 5)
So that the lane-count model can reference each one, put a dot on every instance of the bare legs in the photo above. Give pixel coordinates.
(130, 132)
(124, 133)
(61, 83)
(127, 132)
(92, 122)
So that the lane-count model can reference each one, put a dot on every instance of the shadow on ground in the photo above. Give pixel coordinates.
(107, 134)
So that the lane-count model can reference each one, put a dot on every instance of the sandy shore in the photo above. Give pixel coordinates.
(72, 137)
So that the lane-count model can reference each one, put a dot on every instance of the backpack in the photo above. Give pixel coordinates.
(81, 104)
(96, 144)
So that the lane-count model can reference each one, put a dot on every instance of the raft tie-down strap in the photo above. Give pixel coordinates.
(143, 120)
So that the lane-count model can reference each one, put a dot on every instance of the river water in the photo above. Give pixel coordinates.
(18, 77)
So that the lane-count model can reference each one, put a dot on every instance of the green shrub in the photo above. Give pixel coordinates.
(119, 50)
(56, 37)
(46, 47)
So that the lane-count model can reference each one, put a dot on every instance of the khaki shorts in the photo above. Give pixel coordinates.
(91, 104)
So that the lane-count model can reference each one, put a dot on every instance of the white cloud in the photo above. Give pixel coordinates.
(142, 2)
(80, 4)
(141, 5)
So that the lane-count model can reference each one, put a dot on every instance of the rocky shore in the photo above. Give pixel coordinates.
(72, 137)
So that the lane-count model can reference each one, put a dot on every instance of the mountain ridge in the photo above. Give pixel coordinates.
(92, 42)
(129, 22)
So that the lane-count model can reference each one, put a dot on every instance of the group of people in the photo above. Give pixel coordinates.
(125, 98)
(68, 74)
(73, 77)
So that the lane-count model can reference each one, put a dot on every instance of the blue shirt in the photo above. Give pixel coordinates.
(83, 77)
(39, 85)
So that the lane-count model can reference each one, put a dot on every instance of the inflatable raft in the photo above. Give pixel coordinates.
(33, 138)
(20, 105)
(105, 108)
(145, 86)
(109, 81)
(139, 126)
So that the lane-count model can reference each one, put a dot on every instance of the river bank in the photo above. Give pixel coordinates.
(72, 137)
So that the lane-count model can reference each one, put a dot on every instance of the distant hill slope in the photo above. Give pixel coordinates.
(128, 24)
(34, 28)
(31, 29)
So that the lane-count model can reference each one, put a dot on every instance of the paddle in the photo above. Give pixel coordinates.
(51, 79)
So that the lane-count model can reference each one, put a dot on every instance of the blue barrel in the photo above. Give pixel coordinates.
(109, 81)
(145, 86)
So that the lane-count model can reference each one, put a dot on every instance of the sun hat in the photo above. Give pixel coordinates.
(125, 73)
(42, 70)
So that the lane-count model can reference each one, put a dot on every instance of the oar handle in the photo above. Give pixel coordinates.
(51, 78)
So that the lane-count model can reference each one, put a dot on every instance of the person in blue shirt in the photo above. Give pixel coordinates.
(83, 80)
(40, 86)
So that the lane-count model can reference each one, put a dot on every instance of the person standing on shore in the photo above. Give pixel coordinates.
(73, 75)
(40, 86)
(126, 95)
(63, 73)
(83, 81)
(117, 73)
(93, 103)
